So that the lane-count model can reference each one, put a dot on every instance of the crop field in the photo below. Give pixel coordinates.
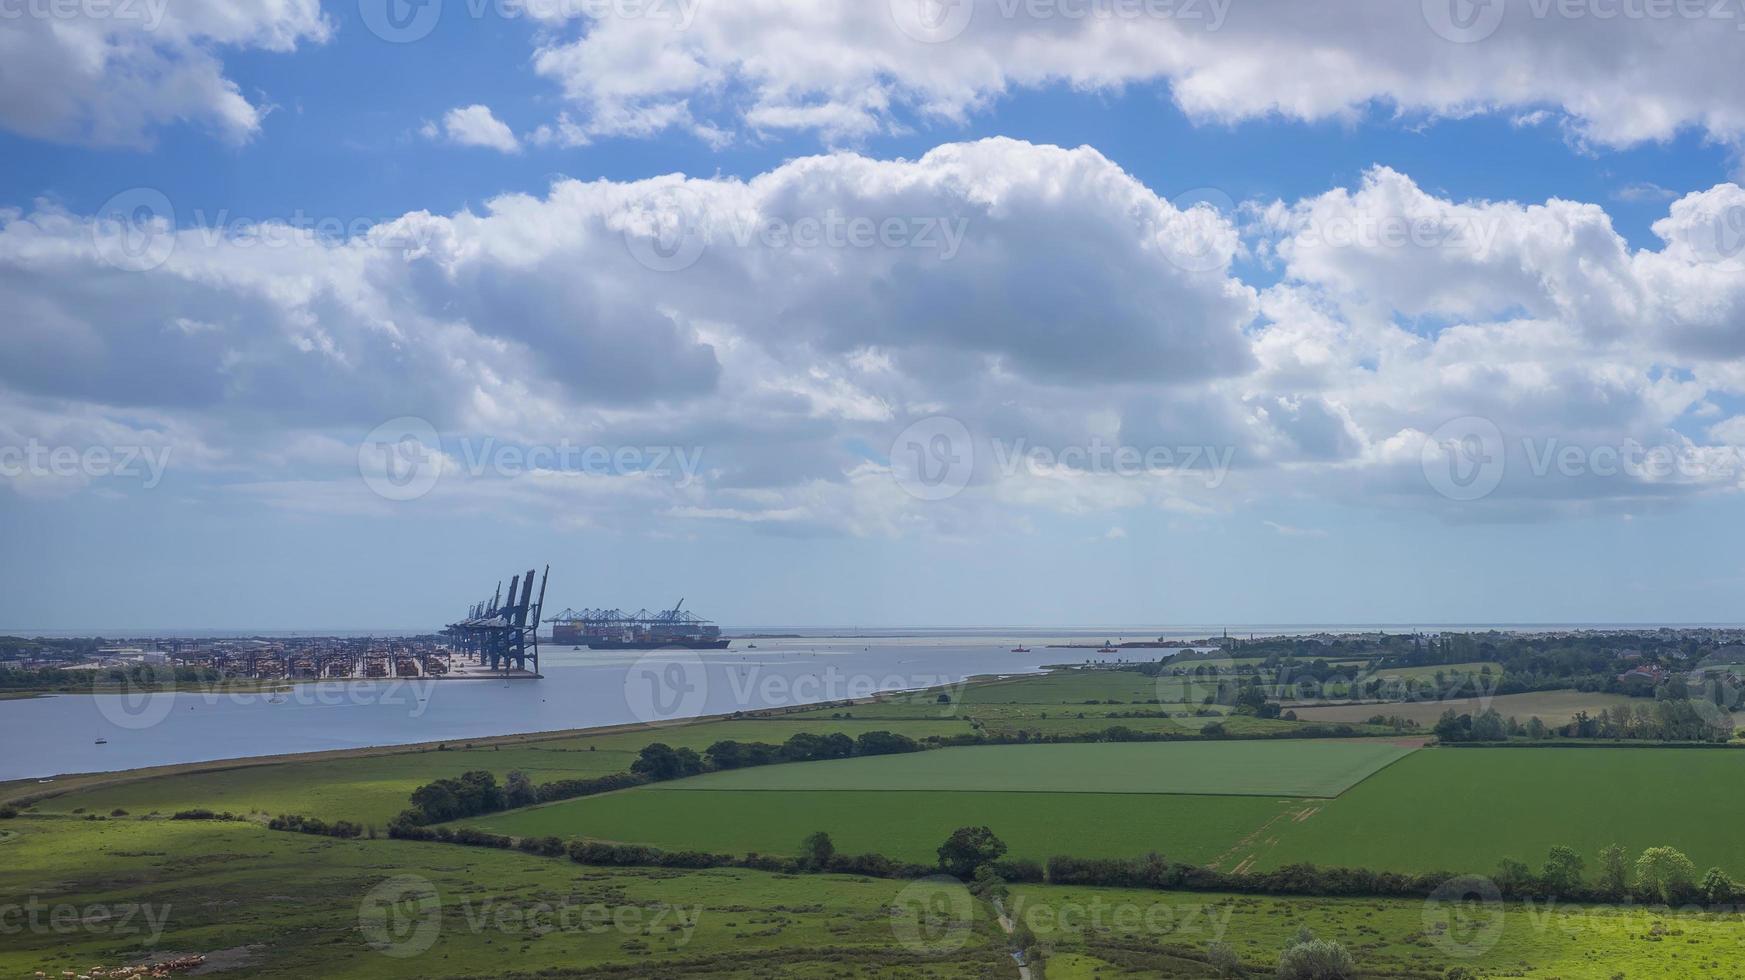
(285, 905)
(1096, 931)
(1448, 671)
(1303, 767)
(1551, 707)
(907, 825)
(1465, 809)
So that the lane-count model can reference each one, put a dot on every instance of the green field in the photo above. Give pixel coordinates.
(1551, 707)
(908, 826)
(1096, 932)
(1300, 767)
(267, 904)
(1465, 809)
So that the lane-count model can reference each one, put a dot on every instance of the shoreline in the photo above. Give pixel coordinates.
(34, 789)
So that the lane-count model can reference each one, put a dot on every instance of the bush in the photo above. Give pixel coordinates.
(1223, 960)
(8, 813)
(1316, 959)
(296, 824)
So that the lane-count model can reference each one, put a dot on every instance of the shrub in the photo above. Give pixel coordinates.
(1316, 959)
(1223, 960)
(8, 812)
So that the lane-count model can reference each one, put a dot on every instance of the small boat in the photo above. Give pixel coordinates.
(102, 741)
(1020, 648)
(751, 646)
(1108, 650)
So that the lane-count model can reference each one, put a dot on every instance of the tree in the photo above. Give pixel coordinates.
(1718, 888)
(1452, 727)
(1488, 727)
(1665, 872)
(884, 743)
(1535, 728)
(1614, 872)
(1562, 872)
(1514, 877)
(518, 791)
(817, 850)
(967, 849)
(662, 761)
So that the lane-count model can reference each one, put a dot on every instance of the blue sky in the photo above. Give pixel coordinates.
(506, 298)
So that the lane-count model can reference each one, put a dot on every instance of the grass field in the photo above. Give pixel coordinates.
(1551, 707)
(1304, 767)
(1104, 932)
(1448, 671)
(1465, 809)
(908, 826)
(268, 904)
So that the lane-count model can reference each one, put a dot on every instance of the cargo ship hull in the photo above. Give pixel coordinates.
(656, 644)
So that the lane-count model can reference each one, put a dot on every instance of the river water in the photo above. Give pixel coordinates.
(581, 689)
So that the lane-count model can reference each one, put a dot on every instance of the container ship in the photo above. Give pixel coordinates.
(611, 629)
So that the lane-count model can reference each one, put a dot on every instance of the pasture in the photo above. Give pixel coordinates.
(1297, 768)
(908, 826)
(1465, 809)
(1097, 931)
(1551, 707)
(269, 904)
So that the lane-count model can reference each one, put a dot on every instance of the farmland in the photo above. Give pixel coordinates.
(1551, 707)
(1465, 809)
(908, 826)
(277, 904)
(1318, 767)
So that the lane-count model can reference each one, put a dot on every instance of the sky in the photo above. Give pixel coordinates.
(918, 312)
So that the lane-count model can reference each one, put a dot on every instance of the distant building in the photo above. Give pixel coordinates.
(1651, 674)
